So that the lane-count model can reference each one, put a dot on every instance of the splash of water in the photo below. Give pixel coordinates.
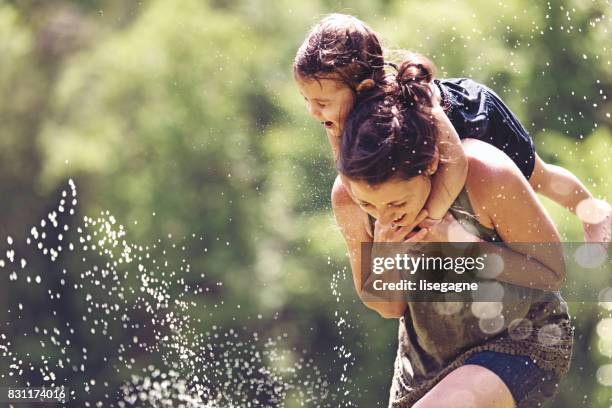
(132, 333)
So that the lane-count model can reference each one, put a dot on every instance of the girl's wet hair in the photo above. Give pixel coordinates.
(342, 47)
(392, 133)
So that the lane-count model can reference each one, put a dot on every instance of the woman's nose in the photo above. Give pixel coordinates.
(388, 216)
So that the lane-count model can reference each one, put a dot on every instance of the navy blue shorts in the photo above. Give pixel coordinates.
(479, 113)
(519, 373)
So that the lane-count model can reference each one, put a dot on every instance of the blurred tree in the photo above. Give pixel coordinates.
(183, 121)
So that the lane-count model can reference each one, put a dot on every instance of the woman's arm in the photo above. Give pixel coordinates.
(354, 226)
(503, 199)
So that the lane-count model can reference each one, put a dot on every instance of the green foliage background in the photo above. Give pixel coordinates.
(182, 118)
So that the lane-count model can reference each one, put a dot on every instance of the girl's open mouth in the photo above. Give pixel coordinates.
(328, 124)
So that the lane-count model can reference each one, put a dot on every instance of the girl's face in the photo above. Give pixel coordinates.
(396, 201)
(328, 100)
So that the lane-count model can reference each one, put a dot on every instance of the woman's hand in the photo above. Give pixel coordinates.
(391, 233)
(447, 229)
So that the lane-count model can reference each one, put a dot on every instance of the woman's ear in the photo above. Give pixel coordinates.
(433, 166)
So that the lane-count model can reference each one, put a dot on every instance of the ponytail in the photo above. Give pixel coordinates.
(413, 81)
(393, 133)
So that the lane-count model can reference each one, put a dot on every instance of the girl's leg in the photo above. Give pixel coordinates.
(469, 386)
(564, 188)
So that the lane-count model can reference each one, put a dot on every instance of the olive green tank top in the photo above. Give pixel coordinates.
(437, 337)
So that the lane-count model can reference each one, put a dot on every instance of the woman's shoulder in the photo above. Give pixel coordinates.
(488, 164)
(351, 219)
(340, 195)
(492, 175)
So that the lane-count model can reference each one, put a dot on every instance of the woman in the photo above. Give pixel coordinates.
(388, 156)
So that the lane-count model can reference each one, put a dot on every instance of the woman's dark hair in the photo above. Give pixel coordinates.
(393, 132)
(345, 46)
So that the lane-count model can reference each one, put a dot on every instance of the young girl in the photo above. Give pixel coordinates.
(388, 154)
(341, 62)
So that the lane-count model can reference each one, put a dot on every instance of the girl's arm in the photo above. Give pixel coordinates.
(450, 177)
(503, 199)
(564, 188)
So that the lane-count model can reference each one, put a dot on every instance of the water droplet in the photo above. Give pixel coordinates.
(604, 328)
(590, 255)
(447, 308)
(492, 325)
(592, 211)
(604, 375)
(460, 399)
(494, 265)
(605, 347)
(520, 329)
(550, 334)
(486, 310)
(490, 291)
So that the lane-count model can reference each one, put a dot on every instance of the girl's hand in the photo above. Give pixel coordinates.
(391, 233)
(448, 229)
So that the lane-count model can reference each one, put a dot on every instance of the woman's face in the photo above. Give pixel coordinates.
(396, 201)
(328, 100)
